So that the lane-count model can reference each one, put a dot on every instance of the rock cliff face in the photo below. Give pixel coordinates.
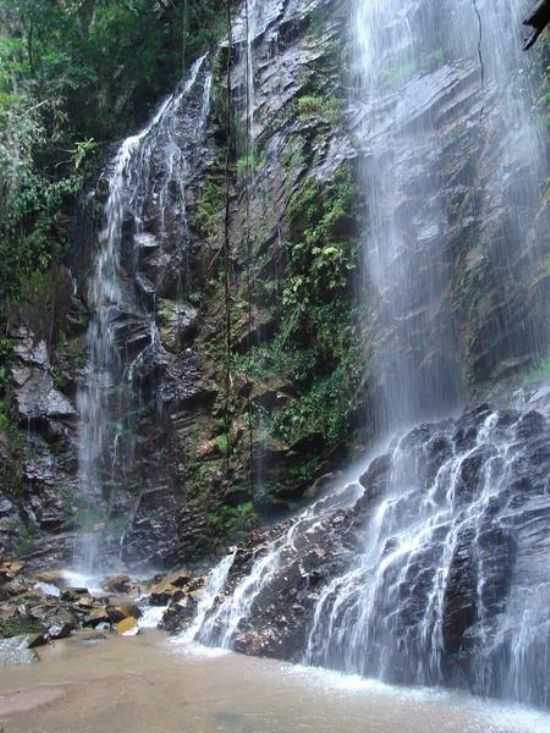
(218, 439)
(430, 570)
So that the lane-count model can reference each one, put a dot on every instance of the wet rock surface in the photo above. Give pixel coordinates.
(172, 499)
(37, 608)
(184, 492)
(294, 590)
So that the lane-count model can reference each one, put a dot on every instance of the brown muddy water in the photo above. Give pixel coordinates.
(150, 684)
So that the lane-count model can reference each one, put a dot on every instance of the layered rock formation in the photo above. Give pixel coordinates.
(431, 570)
(208, 454)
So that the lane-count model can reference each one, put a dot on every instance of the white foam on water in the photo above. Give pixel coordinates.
(492, 716)
(151, 616)
(48, 589)
(195, 649)
(83, 580)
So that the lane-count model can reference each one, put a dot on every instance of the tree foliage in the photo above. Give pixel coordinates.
(74, 76)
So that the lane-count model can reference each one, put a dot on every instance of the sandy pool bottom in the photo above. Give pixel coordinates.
(150, 684)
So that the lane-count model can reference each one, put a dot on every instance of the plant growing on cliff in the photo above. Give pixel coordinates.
(321, 253)
(317, 105)
(317, 348)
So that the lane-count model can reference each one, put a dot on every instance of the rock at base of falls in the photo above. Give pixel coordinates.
(427, 573)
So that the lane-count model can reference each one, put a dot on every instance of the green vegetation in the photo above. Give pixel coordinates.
(19, 626)
(229, 520)
(322, 252)
(253, 162)
(540, 372)
(223, 444)
(317, 348)
(26, 537)
(73, 76)
(209, 207)
(4, 417)
(315, 105)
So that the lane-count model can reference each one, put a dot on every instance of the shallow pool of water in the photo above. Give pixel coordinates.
(149, 684)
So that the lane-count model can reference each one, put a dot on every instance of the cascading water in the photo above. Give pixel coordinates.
(452, 585)
(211, 594)
(222, 625)
(448, 583)
(413, 61)
(151, 165)
(441, 590)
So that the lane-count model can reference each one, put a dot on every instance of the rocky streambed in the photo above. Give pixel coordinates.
(40, 608)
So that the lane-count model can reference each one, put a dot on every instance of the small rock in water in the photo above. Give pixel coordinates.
(37, 640)
(98, 616)
(59, 631)
(118, 584)
(128, 627)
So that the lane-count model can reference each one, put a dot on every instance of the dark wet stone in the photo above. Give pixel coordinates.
(530, 424)
(179, 615)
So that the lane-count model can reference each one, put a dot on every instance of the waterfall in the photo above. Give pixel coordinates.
(225, 624)
(251, 33)
(412, 62)
(217, 579)
(451, 586)
(150, 165)
(448, 578)
(435, 571)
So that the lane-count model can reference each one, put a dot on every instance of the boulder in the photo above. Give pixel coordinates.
(170, 588)
(119, 613)
(179, 615)
(60, 631)
(531, 424)
(178, 324)
(96, 617)
(10, 570)
(118, 584)
(128, 627)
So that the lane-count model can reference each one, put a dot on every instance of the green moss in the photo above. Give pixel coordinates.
(317, 347)
(4, 417)
(224, 445)
(209, 208)
(322, 251)
(229, 520)
(59, 380)
(11, 471)
(19, 627)
(318, 105)
(253, 162)
(26, 537)
(75, 352)
(540, 372)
